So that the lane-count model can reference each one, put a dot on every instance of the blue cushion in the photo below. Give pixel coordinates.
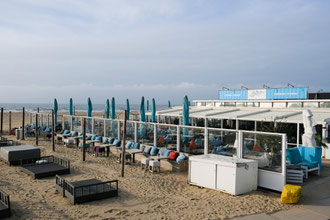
(162, 152)
(66, 132)
(106, 141)
(310, 165)
(293, 155)
(88, 138)
(180, 158)
(61, 131)
(75, 134)
(117, 143)
(311, 154)
(99, 138)
(199, 142)
(168, 139)
(135, 146)
(81, 134)
(128, 145)
(142, 148)
(154, 151)
(111, 140)
(93, 137)
(167, 152)
(147, 150)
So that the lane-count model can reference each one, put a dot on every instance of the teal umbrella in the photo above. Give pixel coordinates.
(107, 109)
(127, 109)
(71, 107)
(55, 111)
(142, 118)
(142, 111)
(113, 108)
(169, 104)
(89, 107)
(185, 111)
(185, 114)
(147, 105)
(153, 111)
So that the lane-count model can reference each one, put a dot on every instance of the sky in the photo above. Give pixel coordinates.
(162, 49)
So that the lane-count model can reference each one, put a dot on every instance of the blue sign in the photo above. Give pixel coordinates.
(260, 94)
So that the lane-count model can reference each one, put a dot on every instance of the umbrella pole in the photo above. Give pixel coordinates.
(84, 139)
(23, 123)
(123, 159)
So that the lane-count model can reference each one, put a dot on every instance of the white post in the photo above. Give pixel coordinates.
(93, 123)
(135, 132)
(62, 123)
(298, 134)
(284, 147)
(237, 124)
(71, 123)
(104, 128)
(239, 144)
(118, 129)
(178, 138)
(206, 140)
(155, 134)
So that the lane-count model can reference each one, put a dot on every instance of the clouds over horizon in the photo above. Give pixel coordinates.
(167, 48)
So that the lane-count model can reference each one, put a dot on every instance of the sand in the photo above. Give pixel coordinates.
(141, 195)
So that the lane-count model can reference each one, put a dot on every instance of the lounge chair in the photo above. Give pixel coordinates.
(308, 158)
(4, 205)
(14, 154)
(86, 190)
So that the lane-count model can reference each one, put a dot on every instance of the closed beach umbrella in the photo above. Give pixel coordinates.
(107, 109)
(71, 107)
(55, 111)
(169, 104)
(153, 111)
(142, 111)
(142, 118)
(127, 109)
(147, 105)
(185, 111)
(113, 108)
(89, 108)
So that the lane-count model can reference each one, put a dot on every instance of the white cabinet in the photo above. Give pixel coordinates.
(227, 174)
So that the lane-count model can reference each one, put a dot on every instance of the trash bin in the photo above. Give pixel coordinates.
(18, 133)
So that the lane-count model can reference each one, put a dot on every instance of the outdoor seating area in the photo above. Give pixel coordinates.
(86, 190)
(5, 210)
(45, 166)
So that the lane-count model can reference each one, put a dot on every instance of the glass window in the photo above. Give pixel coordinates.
(167, 136)
(192, 140)
(222, 142)
(265, 148)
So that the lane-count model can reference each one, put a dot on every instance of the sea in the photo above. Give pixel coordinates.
(43, 107)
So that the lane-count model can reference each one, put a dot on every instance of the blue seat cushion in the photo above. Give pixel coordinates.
(88, 138)
(98, 138)
(81, 144)
(311, 154)
(111, 140)
(106, 141)
(293, 155)
(117, 143)
(65, 132)
(147, 150)
(180, 158)
(310, 165)
(75, 134)
(93, 137)
(154, 151)
(128, 145)
(162, 152)
(135, 146)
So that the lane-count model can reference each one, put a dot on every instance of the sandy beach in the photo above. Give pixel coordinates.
(141, 195)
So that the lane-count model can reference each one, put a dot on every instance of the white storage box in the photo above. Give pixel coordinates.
(231, 175)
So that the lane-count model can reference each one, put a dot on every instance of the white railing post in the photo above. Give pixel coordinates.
(63, 124)
(155, 134)
(93, 123)
(118, 129)
(135, 132)
(71, 123)
(298, 134)
(206, 140)
(284, 147)
(178, 138)
(239, 142)
(104, 128)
